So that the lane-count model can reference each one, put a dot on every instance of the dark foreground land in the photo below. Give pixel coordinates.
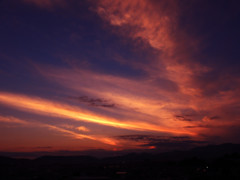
(210, 162)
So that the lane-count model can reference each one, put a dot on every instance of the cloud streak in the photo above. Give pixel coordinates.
(63, 131)
(45, 107)
(97, 102)
(145, 102)
(163, 143)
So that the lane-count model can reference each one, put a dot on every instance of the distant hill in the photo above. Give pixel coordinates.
(208, 162)
(67, 159)
(206, 152)
(210, 151)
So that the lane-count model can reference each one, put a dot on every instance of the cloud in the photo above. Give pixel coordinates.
(43, 147)
(56, 109)
(198, 126)
(143, 101)
(183, 118)
(215, 117)
(136, 100)
(153, 138)
(10, 119)
(203, 89)
(164, 142)
(82, 128)
(65, 131)
(74, 127)
(142, 17)
(96, 102)
(156, 24)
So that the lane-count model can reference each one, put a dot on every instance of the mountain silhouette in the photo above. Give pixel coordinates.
(208, 162)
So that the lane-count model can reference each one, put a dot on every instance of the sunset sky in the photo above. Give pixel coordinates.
(118, 74)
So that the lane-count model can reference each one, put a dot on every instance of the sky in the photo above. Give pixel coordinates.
(118, 74)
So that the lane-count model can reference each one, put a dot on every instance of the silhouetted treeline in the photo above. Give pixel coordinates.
(210, 162)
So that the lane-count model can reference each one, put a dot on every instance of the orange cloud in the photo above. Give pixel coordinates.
(82, 128)
(147, 21)
(65, 132)
(134, 100)
(45, 107)
(156, 24)
(10, 119)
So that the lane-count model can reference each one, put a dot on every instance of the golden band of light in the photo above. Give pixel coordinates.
(45, 107)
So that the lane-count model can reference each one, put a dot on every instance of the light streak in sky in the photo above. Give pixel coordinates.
(46, 107)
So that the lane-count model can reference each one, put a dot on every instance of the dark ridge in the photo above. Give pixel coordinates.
(66, 159)
(208, 162)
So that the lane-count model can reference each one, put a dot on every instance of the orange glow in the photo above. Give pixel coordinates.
(74, 135)
(82, 128)
(64, 132)
(12, 120)
(152, 147)
(44, 107)
(68, 132)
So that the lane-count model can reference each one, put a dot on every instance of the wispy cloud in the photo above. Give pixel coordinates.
(10, 119)
(45, 107)
(183, 118)
(156, 24)
(163, 142)
(43, 147)
(82, 128)
(200, 88)
(143, 101)
(97, 102)
(63, 131)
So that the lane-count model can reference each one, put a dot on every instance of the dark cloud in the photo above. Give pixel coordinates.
(215, 117)
(183, 118)
(164, 142)
(140, 137)
(97, 102)
(43, 147)
(199, 126)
